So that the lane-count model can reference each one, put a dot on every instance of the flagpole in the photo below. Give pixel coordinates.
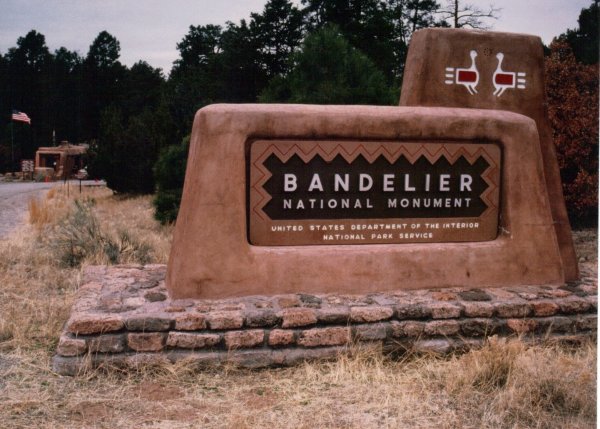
(12, 146)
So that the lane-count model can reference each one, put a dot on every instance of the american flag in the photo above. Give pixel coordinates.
(20, 116)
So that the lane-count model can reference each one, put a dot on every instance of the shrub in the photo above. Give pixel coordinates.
(169, 174)
(79, 238)
(166, 205)
(126, 249)
(572, 92)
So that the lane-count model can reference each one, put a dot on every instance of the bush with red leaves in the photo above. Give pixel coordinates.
(572, 93)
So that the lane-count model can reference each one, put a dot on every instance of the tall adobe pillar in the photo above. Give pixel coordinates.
(490, 70)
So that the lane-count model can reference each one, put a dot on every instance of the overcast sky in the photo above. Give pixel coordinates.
(149, 29)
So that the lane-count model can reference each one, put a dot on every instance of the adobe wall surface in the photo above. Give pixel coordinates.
(489, 70)
(123, 318)
(212, 256)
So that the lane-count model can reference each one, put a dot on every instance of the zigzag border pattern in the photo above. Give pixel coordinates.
(450, 151)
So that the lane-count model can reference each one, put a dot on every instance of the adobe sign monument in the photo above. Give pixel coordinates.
(321, 199)
(305, 228)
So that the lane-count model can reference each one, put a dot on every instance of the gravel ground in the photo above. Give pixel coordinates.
(15, 196)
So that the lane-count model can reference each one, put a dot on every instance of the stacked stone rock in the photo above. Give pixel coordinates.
(123, 317)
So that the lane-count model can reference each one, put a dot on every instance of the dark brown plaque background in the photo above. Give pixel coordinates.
(269, 225)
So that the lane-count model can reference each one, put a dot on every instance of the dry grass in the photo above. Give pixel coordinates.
(503, 385)
(37, 290)
(45, 211)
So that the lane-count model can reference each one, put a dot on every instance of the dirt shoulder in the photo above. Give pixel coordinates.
(14, 198)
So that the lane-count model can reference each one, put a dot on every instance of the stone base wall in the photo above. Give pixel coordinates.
(123, 317)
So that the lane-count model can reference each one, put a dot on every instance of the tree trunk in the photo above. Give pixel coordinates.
(455, 13)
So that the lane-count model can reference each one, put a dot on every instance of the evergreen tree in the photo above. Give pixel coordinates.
(239, 67)
(103, 162)
(141, 88)
(29, 82)
(198, 47)
(195, 79)
(366, 24)
(380, 29)
(584, 40)
(67, 101)
(277, 33)
(102, 73)
(232, 64)
(126, 152)
(5, 112)
(328, 70)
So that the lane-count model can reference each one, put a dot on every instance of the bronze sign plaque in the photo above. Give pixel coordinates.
(351, 192)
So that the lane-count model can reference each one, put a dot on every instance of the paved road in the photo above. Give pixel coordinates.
(14, 199)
